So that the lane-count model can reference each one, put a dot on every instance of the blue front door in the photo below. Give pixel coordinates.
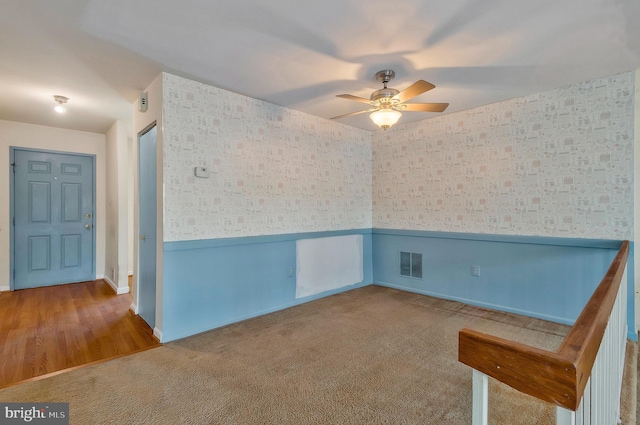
(53, 207)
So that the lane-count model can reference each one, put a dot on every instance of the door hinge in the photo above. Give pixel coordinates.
(13, 167)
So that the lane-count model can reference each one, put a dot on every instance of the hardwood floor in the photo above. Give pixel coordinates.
(45, 330)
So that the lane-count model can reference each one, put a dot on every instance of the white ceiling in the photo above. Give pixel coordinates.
(300, 54)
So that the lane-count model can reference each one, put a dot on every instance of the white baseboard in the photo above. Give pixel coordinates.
(134, 307)
(111, 284)
(5, 288)
(157, 333)
(99, 276)
(118, 291)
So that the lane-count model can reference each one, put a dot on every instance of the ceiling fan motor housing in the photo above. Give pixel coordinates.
(384, 95)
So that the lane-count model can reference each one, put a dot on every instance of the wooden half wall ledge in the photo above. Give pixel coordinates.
(557, 377)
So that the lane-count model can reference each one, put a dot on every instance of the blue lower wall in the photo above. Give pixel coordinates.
(547, 278)
(211, 283)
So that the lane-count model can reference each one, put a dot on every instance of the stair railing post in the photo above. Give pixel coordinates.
(480, 398)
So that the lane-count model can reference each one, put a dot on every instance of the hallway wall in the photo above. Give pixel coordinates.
(117, 193)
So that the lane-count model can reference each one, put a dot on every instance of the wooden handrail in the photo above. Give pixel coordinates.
(557, 377)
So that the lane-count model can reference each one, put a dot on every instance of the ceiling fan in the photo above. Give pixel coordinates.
(387, 103)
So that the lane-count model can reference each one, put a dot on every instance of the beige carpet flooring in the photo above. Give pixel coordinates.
(372, 355)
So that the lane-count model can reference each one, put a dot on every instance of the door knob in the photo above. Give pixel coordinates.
(87, 226)
(87, 215)
(142, 237)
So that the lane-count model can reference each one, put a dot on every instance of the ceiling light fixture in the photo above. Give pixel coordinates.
(385, 118)
(61, 101)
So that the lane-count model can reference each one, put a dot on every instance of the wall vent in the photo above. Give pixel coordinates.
(411, 264)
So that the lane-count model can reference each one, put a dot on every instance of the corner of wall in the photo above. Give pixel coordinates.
(636, 196)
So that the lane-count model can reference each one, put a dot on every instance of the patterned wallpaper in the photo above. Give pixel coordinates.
(558, 163)
(272, 170)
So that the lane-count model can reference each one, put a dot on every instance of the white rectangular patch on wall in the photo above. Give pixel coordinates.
(324, 264)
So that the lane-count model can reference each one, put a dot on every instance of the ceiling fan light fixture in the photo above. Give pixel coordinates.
(385, 118)
(387, 103)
